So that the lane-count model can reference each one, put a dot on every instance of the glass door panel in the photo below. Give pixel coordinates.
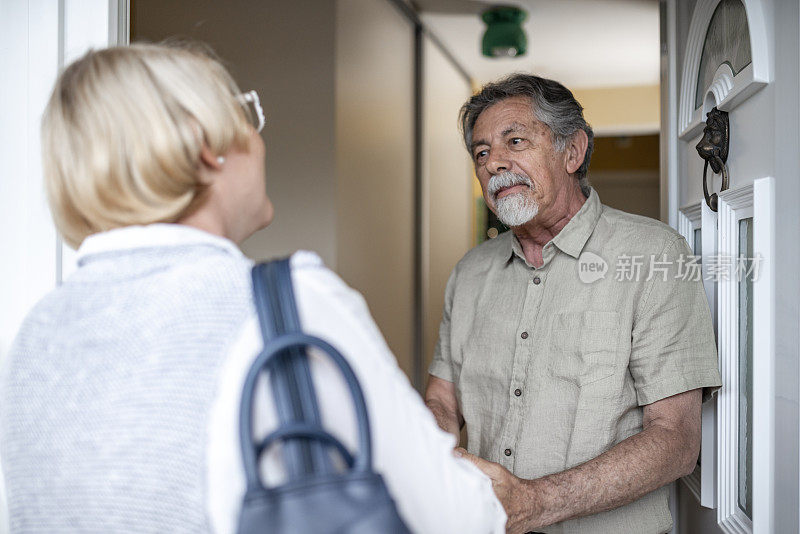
(744, 273)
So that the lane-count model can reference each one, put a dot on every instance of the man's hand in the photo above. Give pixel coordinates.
(663, 451)
(440, 397)
(512, 492)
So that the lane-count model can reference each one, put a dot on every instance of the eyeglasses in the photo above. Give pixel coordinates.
(252, 105)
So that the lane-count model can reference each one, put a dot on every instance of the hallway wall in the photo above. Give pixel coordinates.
(287, 56)
(624, 172)
(375, 164)
(448, 180)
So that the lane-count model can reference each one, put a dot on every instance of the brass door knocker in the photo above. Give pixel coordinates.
(713, 148)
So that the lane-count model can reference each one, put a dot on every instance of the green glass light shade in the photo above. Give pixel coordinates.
(504, 35)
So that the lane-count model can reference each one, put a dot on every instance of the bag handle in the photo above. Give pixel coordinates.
(292, 387)
(362, 462)
(303, 430)
(273, 355)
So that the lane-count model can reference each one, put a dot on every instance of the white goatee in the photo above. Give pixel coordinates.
(515, 209)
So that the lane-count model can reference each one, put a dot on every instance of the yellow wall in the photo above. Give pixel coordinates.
(621, 110)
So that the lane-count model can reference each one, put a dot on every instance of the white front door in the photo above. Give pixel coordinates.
(725, 55)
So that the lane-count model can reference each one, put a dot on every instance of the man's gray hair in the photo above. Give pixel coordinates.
(553, 104)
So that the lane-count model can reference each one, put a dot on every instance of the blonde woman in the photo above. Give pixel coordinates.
(119, 402)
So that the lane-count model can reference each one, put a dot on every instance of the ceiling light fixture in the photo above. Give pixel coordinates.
(504, 35)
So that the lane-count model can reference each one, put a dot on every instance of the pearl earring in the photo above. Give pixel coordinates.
(220, 160)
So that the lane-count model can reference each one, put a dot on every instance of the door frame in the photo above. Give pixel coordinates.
(755, 200)
(81, 25)
(45, 37)
(702, 482)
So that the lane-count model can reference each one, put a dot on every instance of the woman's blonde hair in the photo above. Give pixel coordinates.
(123, 131)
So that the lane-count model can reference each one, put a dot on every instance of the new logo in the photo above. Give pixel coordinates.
(591, 267)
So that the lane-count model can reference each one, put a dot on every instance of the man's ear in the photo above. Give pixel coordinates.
(576, 150)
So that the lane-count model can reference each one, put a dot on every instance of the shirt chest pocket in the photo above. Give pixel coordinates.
(583, 346)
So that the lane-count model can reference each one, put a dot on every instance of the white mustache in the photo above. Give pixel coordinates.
(506, 179)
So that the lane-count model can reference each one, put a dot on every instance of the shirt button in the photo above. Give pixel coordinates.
(507, 452)
(517, 392)
(524, 335)
(537, 280)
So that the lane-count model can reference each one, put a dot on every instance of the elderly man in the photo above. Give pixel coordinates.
(575, 347)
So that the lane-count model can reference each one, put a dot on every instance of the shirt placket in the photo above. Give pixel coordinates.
(523, 352)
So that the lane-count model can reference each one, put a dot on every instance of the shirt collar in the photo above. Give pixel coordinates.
(151, 236)
(573, 237)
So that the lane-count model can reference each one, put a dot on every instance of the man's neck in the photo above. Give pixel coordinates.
(535, 234)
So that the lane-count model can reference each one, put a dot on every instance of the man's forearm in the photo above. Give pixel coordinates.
(626, 472)
(440, 398)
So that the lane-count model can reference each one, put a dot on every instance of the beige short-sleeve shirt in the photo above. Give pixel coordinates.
(553, 364)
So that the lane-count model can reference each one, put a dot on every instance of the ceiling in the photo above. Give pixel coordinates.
(581, 43)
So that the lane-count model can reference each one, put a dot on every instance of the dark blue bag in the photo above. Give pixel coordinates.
(316, 496)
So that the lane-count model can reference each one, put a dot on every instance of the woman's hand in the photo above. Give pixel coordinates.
(514, 493)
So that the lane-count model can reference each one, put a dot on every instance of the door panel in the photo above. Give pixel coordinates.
(755, 115)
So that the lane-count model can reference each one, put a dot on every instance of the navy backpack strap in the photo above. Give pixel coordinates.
(292, 386)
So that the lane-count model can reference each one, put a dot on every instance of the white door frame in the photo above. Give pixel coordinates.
(83, 25)
(37, 39)
(756, 201)
(702, 482)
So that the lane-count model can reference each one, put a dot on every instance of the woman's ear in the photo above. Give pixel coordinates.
(576, 150)
(210, 162)
(209, 159)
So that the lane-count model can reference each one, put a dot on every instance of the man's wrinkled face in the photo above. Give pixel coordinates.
(517, 166)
